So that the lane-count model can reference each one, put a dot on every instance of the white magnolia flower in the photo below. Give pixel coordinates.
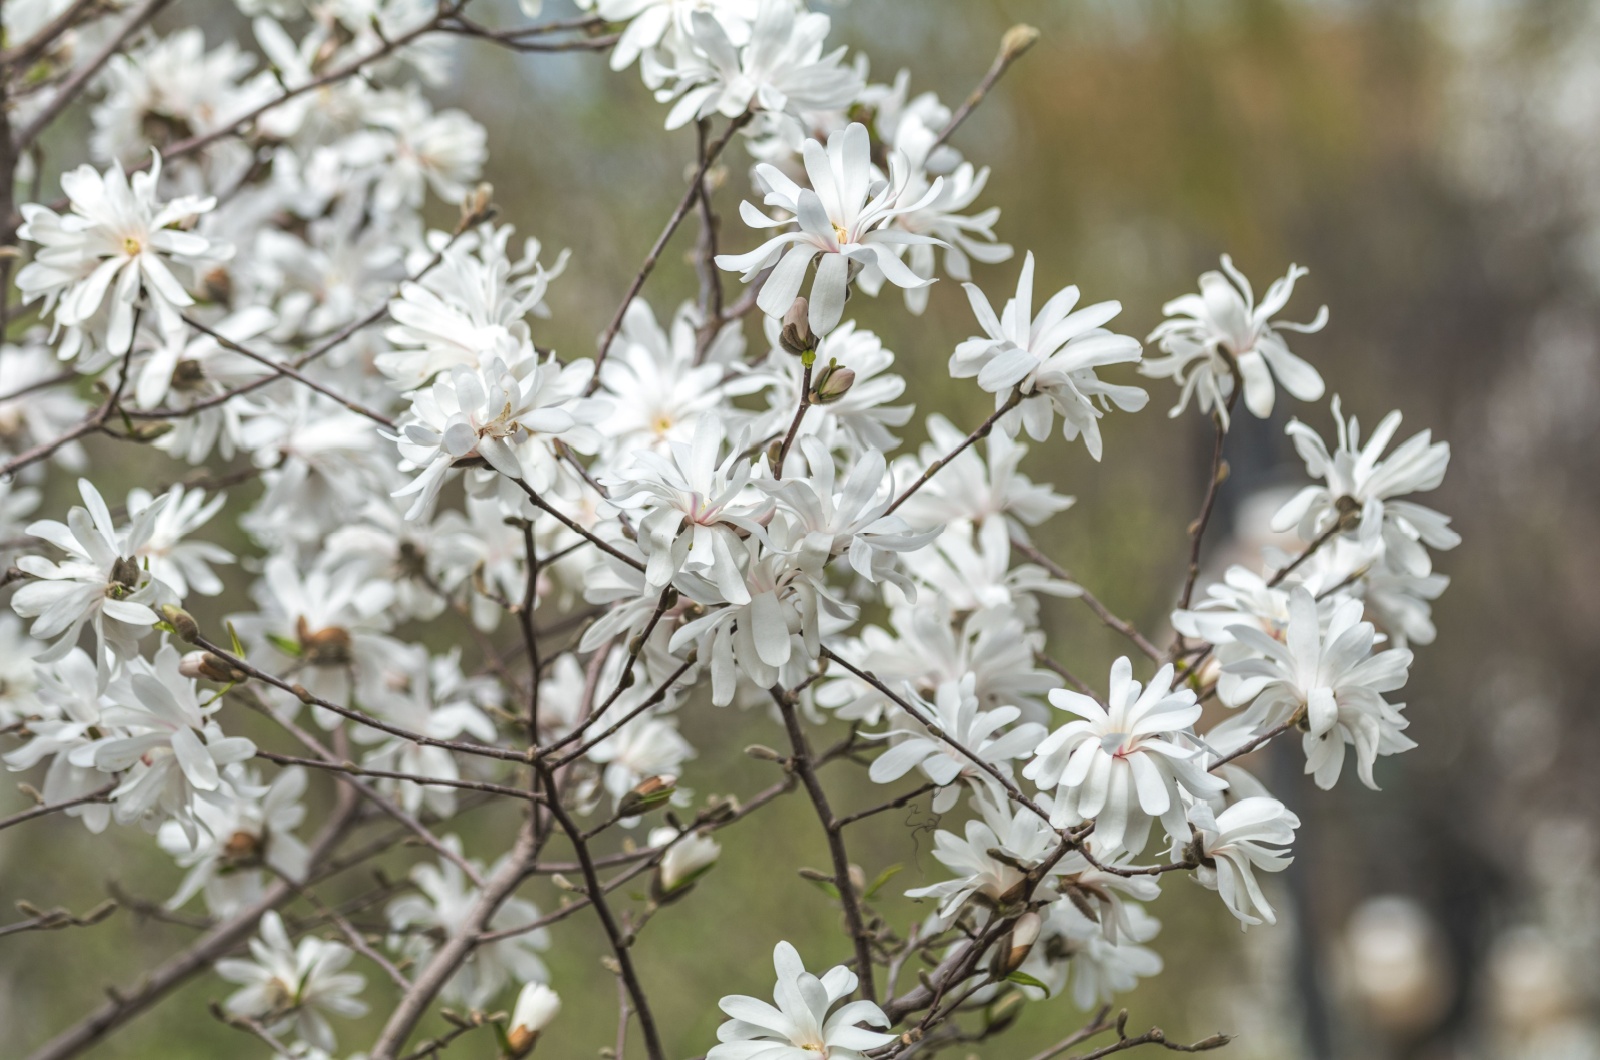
(972, 488)
(841, 217)
(427, 696)
(440, 910)
(300, 984)
(861, 418)
(1072, 947)
(99, 583)
(696, 508)
(181, 565)
(1231, 845)
(1360, 487)
(1051, 358)
(63, 705)
(651, 22)
(1209, 335)
(32, 412)
(442, 150)
(1315, 669)
(1122, 765)
(849, 519)
(121, 239)
(955, 712)
(807, 1023)
(504, 417)
(658, 383)
(468, 310)
(992, 858)
(174, 753)
(236, 841)
(779, 70)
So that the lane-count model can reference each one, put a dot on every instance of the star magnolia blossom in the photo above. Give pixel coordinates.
(1362, 486)
(121, 239)
(1210, 334)
(841, 218)
(287, 983)
(1123, 765)
(808, 1023)
(1231, 845)
(1050, 359)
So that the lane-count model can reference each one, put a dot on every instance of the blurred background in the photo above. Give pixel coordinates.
(1437, 167)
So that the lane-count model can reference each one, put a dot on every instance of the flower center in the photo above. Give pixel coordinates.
(131, 246)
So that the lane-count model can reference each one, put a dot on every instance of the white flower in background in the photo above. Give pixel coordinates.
(1231, 845)
(658, 384)
(181, 565)
(328, 627)
(933, 643)
(842, 218)
(18, 681)
(955, 712)
(442, 150)
(1051, 358)
(848, 519)
(227, 856)
(428, 697)
(287, 984)
(1315, 669)
(174, 753)
(992, 858)
(170, 89)
(779, 70)
(31, 411)
(1360, 487)
(652, 22)
(1207, 335)
(99, 584)
(119, 239)
(756, 638)
(440, 908)
(807, 1023)
(469, 309)
(1122, 765)
(696, 508)
(501, 416)
(1073, 947)
(965, 237)
(649, 745)
(537, 1007)
(861, 418)
(63, 704)
(972, 488)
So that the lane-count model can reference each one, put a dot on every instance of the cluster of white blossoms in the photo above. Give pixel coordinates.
(479, 570)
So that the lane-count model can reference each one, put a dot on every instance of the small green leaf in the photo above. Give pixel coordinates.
(233, 638)
(284, 644)
(1027, 980)
(883, 877)
(826, 887)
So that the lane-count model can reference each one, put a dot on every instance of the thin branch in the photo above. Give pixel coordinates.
(1017, 40)
(802, 763)
(101, 794)
(981, 431)
(678, 214)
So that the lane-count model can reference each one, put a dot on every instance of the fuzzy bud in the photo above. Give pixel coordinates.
(796, 336)
(537, 1006)
(833, 383)
(1018, 39)
(182, 622)
(647, 795)
(1016, 944)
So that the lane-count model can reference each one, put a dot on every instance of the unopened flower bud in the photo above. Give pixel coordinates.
(1016, 944)
(833, 383)
(686, 860)
(1018, 39)
(536, 1008)
(796, 336)
(476, 206)
(647, 795)
(182, 622)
